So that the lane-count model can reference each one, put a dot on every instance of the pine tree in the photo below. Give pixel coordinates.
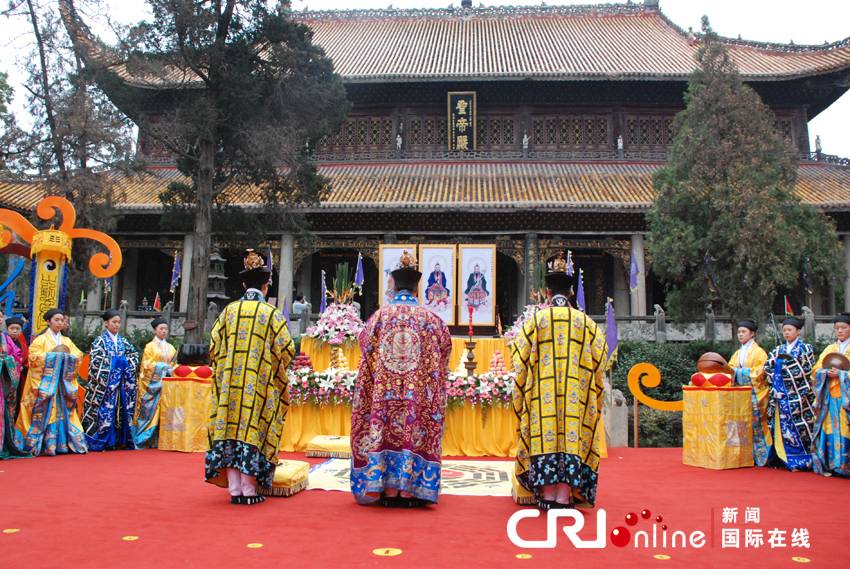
(246, 94)
(726, 224)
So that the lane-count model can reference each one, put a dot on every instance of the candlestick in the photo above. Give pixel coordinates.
(470, 321)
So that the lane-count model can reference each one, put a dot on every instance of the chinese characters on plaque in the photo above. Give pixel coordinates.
(462, 116)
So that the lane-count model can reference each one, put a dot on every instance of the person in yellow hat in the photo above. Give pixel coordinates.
(559, 357)
(249, 352)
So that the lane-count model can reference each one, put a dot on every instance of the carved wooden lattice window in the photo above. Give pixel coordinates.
(648, 131)
(361, 132)
(785, 126)
(496, 132)
(579, 131)
(431, 132)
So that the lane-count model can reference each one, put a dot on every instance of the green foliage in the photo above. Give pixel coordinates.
(83, 336)
(726, 224)
(343, 279)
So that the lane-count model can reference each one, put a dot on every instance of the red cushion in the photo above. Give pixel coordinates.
(698, 379)
(203, 372)
(719, 379)
(182, 371)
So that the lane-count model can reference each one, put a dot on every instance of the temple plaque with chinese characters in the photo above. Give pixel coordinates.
(462, 121)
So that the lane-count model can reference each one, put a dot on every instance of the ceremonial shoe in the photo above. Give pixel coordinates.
(392, 502)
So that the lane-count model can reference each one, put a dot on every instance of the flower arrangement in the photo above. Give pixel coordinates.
(339, 323)
(527, 314)
(487, 389)
(331, 387)
(335, 387)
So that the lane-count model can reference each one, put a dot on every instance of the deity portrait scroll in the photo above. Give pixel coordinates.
(437, 290)
(476, 284)
(388, 259)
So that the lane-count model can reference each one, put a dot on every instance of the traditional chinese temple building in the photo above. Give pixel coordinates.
(568, 112)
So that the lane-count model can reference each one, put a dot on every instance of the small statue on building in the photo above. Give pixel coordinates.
(398, 142)
(620, 145)
(525, 143)
(818, 147)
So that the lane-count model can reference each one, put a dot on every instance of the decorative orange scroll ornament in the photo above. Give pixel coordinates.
(51, 250)
(648, 375)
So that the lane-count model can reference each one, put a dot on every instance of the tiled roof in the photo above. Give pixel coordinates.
(473, 185)
(604, 42)
(21, 196)
(558, 42)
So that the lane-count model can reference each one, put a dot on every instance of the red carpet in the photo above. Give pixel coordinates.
(73, 511)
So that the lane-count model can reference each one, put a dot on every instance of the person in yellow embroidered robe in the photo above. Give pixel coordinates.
(48, 422)
(157, 361)
(748, 364)
(831, 439)
(249, 353)
(559, 358)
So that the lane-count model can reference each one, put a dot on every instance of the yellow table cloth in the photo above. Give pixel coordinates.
(469, 430)
(717, 425)
(184, 411)
(303, 422)
(320, 352)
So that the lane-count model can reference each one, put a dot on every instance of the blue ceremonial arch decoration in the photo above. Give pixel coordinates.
(7, 292)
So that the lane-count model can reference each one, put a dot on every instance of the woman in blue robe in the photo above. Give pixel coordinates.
(790, 408)
(111, 391)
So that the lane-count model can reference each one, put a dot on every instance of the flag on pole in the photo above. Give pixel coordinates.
(269, 259)
(789, 311)
(176, 269)
(157, 303)
(633, 273)
(359, 279)
(580, 293)
(82, 297)
(324, 304)
(570, 267)
(611, 333)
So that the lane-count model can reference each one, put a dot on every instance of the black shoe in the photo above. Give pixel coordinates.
(393, 502)
(251, 500)
(236, 499)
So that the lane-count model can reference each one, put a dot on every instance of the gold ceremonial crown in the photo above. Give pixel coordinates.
(558, 264)
(253, 260)
(408, 261)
